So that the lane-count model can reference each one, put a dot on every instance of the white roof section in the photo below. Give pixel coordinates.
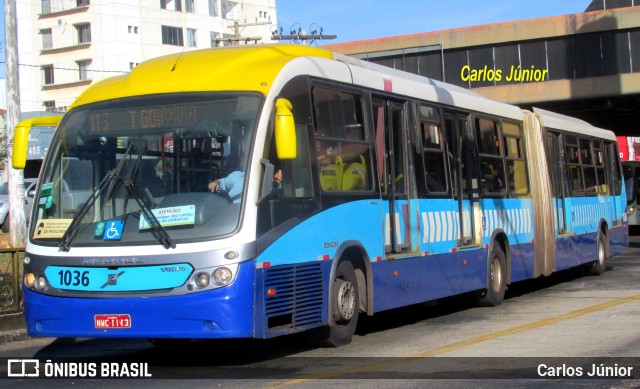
(408, 84)
(567, 123)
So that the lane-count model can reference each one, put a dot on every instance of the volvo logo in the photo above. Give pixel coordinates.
(173, 269)
(112, 279)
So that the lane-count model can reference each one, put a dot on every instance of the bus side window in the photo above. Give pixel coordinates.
(342, 148)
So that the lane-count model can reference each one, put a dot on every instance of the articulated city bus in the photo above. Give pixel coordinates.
(265, 190)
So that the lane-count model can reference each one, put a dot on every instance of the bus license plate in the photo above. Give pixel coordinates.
(112, 321)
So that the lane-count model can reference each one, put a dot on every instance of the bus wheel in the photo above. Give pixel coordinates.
(597, 268)
(344, 300)
(494, 294)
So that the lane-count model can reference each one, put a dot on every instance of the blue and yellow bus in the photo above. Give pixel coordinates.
(340, 188)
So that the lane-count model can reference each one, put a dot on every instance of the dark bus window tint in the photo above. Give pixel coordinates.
(487, 133)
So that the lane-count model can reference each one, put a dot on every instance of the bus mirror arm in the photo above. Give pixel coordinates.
(267, 180)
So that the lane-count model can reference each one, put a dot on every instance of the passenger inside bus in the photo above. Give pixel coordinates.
(233, 184)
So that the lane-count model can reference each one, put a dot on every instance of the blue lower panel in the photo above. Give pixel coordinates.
(220, 313)
(522, 262)
(412, 280)
(618, 239)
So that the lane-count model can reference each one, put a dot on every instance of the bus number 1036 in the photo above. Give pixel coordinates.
(74, 278)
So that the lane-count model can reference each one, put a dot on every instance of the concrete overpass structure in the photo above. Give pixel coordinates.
(586, 65)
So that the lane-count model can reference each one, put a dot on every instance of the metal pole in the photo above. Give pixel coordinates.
(18, 228)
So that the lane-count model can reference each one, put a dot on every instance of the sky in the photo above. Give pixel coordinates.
(366, 19)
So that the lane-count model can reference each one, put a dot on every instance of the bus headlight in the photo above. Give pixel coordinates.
(222, 276)
(41, 283)
(29, 280)
(203, 280)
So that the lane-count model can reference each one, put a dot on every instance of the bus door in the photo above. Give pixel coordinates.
(558, 181)
(401, 231)
(613, 180)
(464, 181)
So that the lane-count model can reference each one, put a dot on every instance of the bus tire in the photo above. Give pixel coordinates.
(597, 267)
(344, 303)
(494, 294)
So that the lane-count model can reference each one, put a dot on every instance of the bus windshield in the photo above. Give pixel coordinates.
(114, 167)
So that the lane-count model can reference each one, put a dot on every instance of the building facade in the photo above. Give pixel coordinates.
(65, 45)
(585, 65)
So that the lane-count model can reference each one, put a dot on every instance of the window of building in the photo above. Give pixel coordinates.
(454, 60)
(172, 36)
(47, 74)
(84, 68)
(172, 5)
(587, 48)
(213, 7)
(46, 6)
(213, 38)
(190, 6)
(84, 33)
(191, 37)
(47, 39)
(80, 3)
(481, 58)
(49, 105)
(616, 52)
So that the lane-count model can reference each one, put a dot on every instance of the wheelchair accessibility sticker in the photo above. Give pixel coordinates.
(113, 230)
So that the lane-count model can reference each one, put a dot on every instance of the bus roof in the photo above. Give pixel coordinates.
(259, 65)
(566, 123)
(202, 70)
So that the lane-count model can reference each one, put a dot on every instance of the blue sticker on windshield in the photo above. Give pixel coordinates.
(113, 230)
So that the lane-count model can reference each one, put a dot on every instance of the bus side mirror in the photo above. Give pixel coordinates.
(19, 150)
(285, 130)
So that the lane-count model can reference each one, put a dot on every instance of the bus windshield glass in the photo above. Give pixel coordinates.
(115, 166)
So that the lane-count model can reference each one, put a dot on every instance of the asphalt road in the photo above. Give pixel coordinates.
(550, 331)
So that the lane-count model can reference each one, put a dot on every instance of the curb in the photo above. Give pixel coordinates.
(13, 336)
(12, 328)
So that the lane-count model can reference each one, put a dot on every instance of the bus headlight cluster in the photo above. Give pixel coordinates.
(38, 283)
(217, 277)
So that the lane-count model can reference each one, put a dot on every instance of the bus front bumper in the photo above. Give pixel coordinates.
(219, 313)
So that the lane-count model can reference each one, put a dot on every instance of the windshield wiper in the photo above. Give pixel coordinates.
(111, 179)
(144, 202)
